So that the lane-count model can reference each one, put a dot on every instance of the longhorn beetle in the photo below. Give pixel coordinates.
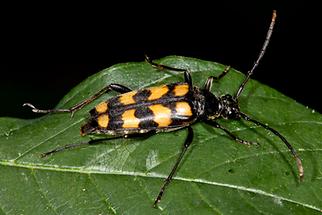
(166, 108)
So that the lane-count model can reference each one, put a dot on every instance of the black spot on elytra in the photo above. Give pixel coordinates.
(89, 127)
(93, 112)
(170, 93)
(142, 95)
(114, 102)
(115, 122)
(146, 117)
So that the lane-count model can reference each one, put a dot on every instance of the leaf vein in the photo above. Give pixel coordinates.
(144, 188)
(204, 199)
(42, 193)
(105, 200)
(47, 139)
(250, 203)
(154, 175)
(1, 209)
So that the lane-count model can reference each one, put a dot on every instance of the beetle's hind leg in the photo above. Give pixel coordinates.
(73, 146)
(94, 142)
(78, 145)
(111, 87)
(63, 148)
(187, 75)
(233, 136)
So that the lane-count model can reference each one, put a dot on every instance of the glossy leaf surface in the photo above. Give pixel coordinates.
(217, 176)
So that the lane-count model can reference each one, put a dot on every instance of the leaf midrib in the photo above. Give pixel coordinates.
(32, 166)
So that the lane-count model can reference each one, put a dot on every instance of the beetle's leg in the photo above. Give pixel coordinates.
(210, 79)
(115, 87)
(167, 181)
(94, 142)
(187, 75)
(233, 136)
(78, 145)
(75, 145)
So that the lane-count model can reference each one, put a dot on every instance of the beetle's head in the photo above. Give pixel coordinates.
(229, 108)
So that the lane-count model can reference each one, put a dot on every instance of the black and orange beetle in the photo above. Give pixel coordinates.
(167, 108)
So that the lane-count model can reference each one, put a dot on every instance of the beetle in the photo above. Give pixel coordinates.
(167, 108)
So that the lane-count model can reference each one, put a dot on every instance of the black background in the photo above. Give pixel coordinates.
(48, 51)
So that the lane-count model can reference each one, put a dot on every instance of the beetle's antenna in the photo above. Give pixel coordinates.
(289, 146)
(260, 56)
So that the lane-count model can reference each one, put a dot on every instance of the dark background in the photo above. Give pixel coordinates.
(47, 52)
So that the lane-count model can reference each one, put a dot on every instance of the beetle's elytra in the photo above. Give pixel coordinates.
(161, 108)
(167, 108)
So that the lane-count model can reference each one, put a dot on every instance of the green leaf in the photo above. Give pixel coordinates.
(217, 176)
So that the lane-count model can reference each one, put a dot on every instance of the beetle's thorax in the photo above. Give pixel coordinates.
(213, 107)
